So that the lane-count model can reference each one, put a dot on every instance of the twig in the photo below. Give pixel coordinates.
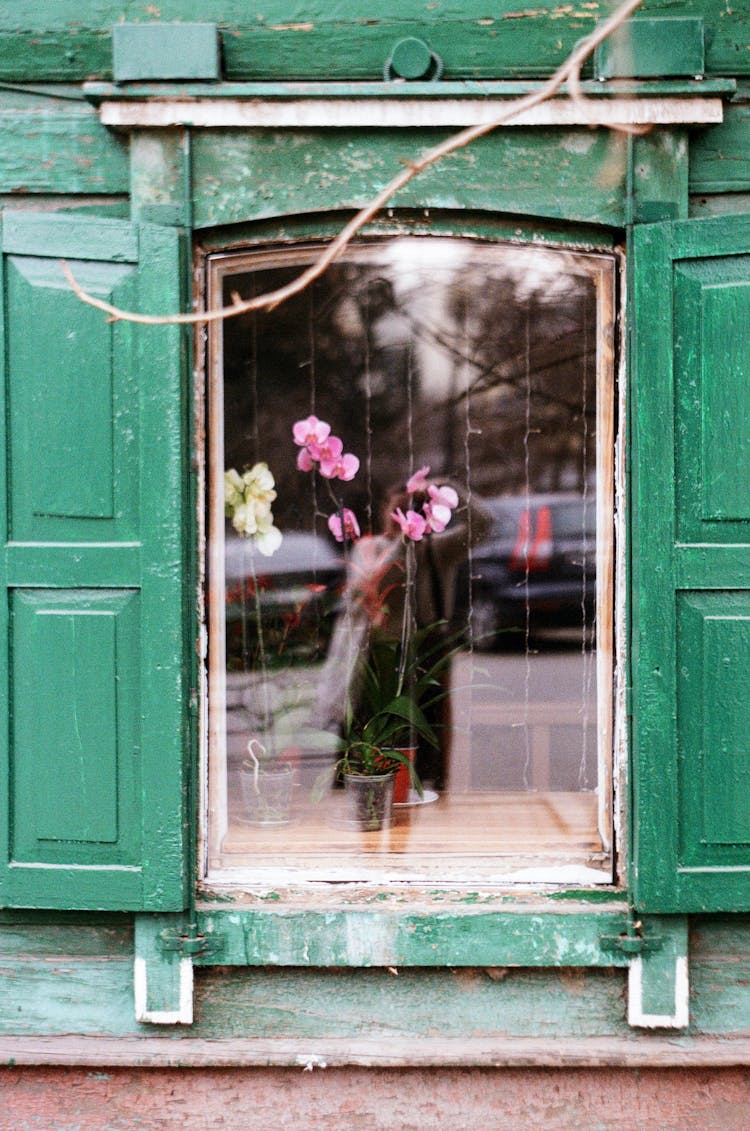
(569, 72)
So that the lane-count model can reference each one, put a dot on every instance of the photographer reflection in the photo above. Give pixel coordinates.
(391, 641)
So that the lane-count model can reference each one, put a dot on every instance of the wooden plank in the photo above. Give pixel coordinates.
(720, 156)
(404, 936)
(98, 92)
(481, 824)
(58, 566)
(428, 1052)
(57, 41)
(168, 628)
(258, 113)
(46, 149)
(245, 176)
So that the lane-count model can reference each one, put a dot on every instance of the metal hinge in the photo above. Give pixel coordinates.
(631, 942)
(191, 944)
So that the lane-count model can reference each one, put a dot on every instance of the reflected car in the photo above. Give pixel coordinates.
(535, 569)
(297, 591)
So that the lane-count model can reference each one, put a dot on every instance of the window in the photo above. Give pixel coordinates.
(491, 364)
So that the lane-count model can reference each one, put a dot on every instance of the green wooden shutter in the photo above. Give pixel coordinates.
(92, 714)
(690, 515)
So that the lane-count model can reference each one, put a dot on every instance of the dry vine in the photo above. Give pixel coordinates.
(569, 72)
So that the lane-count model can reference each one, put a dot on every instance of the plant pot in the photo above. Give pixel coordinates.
(368, 801)
(402, 780)
(267, 792)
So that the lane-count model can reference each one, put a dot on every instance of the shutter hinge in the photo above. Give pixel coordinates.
(190, 944)
(632, 942)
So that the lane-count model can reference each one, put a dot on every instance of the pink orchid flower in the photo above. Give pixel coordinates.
(412, 524)
(437, 517)
(305, 461)
(340, 467)
(344, 525)
(310, 431)
(443, 496)
(418, 481)
(328, 449)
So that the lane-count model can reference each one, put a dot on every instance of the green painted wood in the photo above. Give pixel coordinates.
(658, 181)
(105, 207)
(735, 204)
(65, 453)
(643, 48)
(74, 975)
(165, 51)
(658, 990)
(95, 461)
(48, 148)
(713, 694)
(56, 40)
(76, 237)
(720, 156)
(160, 176)
(690, 697)
(52, 565)
(75, 799)
(412, 936)
(573, 174)
(97, 92)
(713, 439)
(163, 978)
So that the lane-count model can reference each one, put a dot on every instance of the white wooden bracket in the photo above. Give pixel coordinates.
(162, 976)
(658, 984)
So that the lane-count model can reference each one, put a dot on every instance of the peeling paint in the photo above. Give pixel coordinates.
(291, 27)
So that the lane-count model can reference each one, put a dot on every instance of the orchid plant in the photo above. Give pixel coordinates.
(247, 501)
(394, 678)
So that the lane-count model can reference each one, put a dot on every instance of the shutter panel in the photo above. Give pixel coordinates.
(93, 712)
(691, 565)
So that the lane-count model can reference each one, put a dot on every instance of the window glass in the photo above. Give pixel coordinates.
(410, 548)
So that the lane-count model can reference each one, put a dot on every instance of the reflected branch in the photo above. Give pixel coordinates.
(568, 73)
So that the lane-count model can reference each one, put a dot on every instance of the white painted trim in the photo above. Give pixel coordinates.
(411, 112)
(183, 1015)
(677, 1020)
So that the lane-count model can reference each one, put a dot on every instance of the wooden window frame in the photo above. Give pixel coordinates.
(287, 897)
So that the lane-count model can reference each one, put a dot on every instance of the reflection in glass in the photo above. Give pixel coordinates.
(491, 365)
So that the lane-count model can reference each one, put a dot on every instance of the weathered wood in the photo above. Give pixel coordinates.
(109, 830)
(411, 935)
(427, 1052)
(244, 176)
(47, 147)
(720, 156)
(659, 176)
(691, 833)
(57, 41)
(307, 113)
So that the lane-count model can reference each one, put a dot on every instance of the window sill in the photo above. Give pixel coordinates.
(350, 926)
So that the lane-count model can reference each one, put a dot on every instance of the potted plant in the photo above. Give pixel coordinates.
(382, 670)
(384, 719)
(266, 785)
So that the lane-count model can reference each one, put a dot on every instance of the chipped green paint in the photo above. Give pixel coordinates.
(54, 145)
(466, 933)
(55, 40)
(239, 176)
(720, 156)
(691, 570)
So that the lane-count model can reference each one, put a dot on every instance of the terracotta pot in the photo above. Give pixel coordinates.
(402, 781)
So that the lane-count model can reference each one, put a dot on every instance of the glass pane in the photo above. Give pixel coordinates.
(466, 626)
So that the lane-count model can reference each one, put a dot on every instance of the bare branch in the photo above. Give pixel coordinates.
(569, 72)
